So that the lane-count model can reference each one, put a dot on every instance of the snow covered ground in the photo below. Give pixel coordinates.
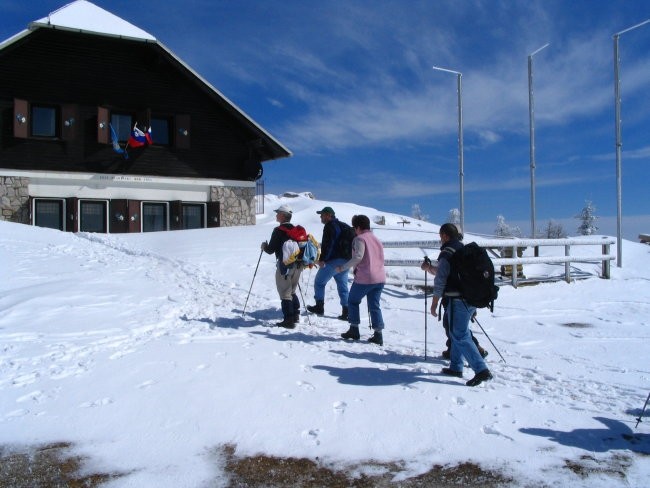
(135, 349)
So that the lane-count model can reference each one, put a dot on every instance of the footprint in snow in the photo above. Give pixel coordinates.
(281, 355)
(36, 396)
(16, 413)
(306, 385)
(121, 354)
(459, 400)
(339, 407)
(97, 403)
(311, 436)
(494, 431)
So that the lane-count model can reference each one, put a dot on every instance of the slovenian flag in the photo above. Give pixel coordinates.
(139, 138)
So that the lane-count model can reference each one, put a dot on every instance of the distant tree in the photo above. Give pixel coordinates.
(416, 213)
(454, 216)
(587, 220)
(554, 230)
(504, 230)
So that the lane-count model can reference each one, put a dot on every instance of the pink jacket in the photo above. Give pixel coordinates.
(368, 259)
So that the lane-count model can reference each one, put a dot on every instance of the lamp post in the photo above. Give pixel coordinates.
(531, 118)
(461, 171)
(619, 144)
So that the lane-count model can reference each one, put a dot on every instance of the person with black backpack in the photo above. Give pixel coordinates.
(447, 285)
(336, 249)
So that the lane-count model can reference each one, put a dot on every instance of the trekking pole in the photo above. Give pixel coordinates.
(369, 321)
(474, 319)
(254, 274)
(426, 312)
(303, 303)
(308, 281)
(638, 419)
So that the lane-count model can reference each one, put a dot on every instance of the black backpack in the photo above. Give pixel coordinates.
(474, 272)
(344, 240)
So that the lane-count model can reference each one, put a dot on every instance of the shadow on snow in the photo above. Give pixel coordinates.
(616, 436)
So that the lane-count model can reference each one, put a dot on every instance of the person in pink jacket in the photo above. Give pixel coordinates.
(369, 279)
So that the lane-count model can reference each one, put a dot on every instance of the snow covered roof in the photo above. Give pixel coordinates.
(84, 16)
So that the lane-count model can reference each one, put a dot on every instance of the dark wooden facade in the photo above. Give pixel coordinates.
(199, 171)
(87, 76)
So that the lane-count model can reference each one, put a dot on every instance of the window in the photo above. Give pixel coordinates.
(193, 216)
(122, 124)
(48, 213)
(154, 217)
(160, 131)
(44, 121)
(92, 216)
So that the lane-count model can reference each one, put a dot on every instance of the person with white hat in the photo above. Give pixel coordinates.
(285, 281)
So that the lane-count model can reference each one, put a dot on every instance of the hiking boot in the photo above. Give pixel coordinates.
(446, 354)
(318, 309)
(288, 312)
(344, 313)
(482, 352)
(296, 318)
(287, 323)
(451, 372)
(480, 377)
(352, 333)
(377, 338)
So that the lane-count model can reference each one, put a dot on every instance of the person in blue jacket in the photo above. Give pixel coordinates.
(336, 249)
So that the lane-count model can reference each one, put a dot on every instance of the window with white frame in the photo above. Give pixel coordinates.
(154, 216)
(49, 213)
(93, 216)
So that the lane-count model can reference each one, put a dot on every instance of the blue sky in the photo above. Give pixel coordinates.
(348, 87)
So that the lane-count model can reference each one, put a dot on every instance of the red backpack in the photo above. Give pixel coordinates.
(296, 233)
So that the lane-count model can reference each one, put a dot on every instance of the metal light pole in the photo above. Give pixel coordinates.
(531, 118)
(461, 170)
(619, 144)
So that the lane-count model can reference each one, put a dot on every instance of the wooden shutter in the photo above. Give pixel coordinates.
(118, 216)
(182, 131)
(21, 118)
(71, 214)
(103, 130)
(135, 217)
(176, 215)
(69, 122)
(214, 214)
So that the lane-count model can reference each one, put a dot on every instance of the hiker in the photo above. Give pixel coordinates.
(369, 279)
(460, 312)
(286, 278)
(446, 354)
(335, 251)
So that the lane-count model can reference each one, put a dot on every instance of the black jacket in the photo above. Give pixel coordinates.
(278, 238)
(446, 252)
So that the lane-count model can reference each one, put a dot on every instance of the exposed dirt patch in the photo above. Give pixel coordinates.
(266, 471)
(615, 466)
(50, 465)
(55, 466)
